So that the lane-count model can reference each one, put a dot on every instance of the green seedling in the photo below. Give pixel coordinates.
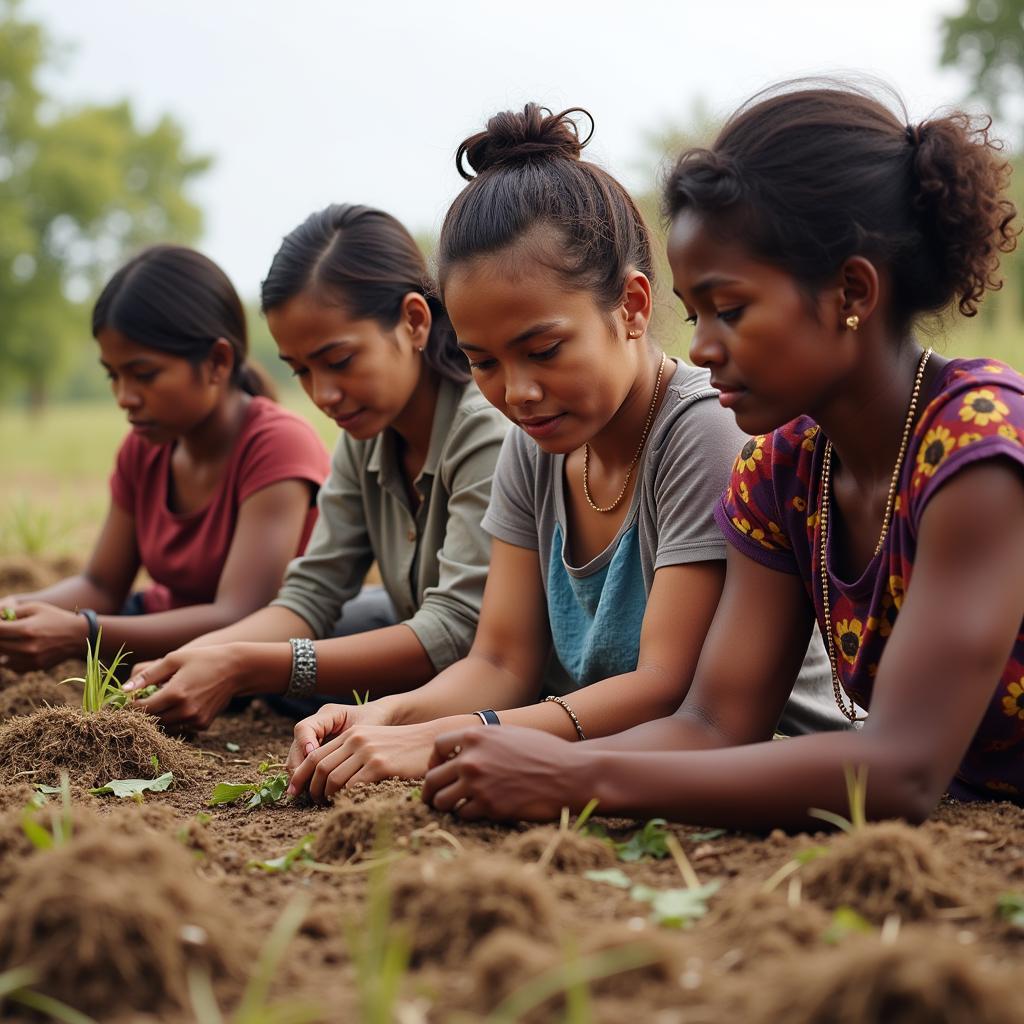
(14, 988)
(61, 822)
(610, 876)
(264, 792)
(255, 1006)
(706, 837)
(845, 921)
(101, 686)
(1011, 908)
(135, 788)
(8, 614)
(300, 853)
(650, 841)
(857, 798)
(793, 865)
(360, 701)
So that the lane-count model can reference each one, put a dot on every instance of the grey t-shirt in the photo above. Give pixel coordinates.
(681, 475)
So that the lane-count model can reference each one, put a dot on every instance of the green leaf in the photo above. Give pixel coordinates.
(34, 832)
(135, 787)
(648, 842)
(845, 921)
(228, 792)
(232, 748)
(300, 852)
(8, 614)
(610, 876)
(48, 790)
(262, 793)
(675, 908)
(706, 837)
(1011, 908)
(811, 853)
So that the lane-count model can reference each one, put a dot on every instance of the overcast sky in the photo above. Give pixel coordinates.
(313, 102)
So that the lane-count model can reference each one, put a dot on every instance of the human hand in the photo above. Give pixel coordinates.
(368, 753)
(329, 721)
(506, 773)
(194, 685)
(40, 636)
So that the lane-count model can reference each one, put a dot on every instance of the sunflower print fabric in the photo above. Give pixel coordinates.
(975, 411)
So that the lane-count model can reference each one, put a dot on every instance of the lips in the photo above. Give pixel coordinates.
(349, 418)
(541, 426)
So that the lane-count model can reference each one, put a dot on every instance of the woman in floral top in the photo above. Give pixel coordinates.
(881, 493)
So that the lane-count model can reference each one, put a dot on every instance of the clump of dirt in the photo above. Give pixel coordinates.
(24, 573)
(113, 922)
(35, 690)
(449, 907)
(16, 796)
(115, 743)
(356, 824)
(883, 869)
(749, 923)
(917, 980)
(563, 851)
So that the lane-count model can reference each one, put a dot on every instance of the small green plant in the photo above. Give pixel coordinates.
(31, 529)
(14, 989)
(61, 823)
(264, 792)
(856, 797)
(1011, 908)
(845, 921)
(100, 685)
(8, 614)
(650, 841)
(255, 1006)
(300, 853)
(361, 700)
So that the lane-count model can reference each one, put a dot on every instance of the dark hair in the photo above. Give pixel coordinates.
(809, 175)
(178, 301)
(528, 173)
(366, 261)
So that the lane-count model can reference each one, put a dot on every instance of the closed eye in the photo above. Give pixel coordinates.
(546, 353)
(730, 315)
(340, 364)
(482, 364)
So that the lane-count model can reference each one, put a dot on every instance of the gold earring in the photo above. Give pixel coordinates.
(633, 334)
(853, 322)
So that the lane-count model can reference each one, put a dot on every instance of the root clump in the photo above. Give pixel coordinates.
(115, 743)
(450, 907)
(916, 980)
(352, 826)
(112, 922)
(883, 869)
(572, 852)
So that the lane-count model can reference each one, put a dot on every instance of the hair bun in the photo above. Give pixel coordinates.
(512, 138)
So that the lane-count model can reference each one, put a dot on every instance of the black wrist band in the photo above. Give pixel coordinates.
(94, 628)
(488, 717)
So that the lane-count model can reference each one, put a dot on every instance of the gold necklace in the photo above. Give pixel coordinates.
(824, 506)
(640, 447)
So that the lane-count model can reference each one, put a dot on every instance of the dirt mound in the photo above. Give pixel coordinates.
(563, 851)
(353, 826)
(883, 869)
(112, 922)
(115, 743)
(449, 907)
(917, 980)
(23, 573)
(30, 692)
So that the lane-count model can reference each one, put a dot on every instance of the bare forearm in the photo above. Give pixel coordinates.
(677, 732)
(76, 592)
(379, 661)
(472, 684)
(267, 625)
(759, 786)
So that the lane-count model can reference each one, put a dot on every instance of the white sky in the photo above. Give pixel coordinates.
(306, 103)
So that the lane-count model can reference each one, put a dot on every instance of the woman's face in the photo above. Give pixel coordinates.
(772, 354)
(164, 396)
(358, 374)
(550, 359)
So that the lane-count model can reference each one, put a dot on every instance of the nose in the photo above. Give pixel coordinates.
(705, 349)
(521, 387)
(126, 394)
(324, 391)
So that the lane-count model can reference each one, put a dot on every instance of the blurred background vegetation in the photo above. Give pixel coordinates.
(82, 188)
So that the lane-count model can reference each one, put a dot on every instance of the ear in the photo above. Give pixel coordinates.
(415, 319)
(220, 360)
(859, 289)
(637, 304)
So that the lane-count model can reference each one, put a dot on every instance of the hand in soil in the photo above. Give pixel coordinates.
(368, 753)
(507, 774)
(329, 721)
(40, 636)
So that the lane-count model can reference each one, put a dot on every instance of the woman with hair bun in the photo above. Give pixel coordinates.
(352, 309)
(606, 564)
(213, 491)
(881, 496)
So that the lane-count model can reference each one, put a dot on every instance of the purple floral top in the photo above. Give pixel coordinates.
(770, 513)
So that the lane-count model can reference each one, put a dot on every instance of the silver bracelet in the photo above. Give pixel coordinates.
(572, 714)
(303, 678)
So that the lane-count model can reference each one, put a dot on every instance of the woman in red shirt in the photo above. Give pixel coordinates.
(213, 491)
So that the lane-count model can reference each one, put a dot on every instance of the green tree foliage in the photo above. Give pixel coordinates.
(986, 40)
(79, 190)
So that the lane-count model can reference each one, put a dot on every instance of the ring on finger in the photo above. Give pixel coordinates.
(460, 803)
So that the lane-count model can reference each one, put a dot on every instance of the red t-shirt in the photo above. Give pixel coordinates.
(185, 554)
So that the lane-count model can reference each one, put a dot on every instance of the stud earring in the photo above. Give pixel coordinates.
(853, 322)
(633, 334)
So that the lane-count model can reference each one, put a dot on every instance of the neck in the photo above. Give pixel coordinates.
(210, 439)
(616, 443)
(414, 423)
(866, 416)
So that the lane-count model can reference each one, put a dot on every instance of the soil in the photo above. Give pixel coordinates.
(890, 924)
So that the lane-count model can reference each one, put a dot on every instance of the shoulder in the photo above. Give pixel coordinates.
(136, 456)
(276, 444)
(266, 419)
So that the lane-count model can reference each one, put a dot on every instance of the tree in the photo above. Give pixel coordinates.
(79, 189)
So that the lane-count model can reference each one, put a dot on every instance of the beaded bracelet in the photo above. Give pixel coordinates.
(572, 714)
(303, 678)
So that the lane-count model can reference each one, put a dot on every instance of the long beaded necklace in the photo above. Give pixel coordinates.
(640, 447)
(824, 506)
